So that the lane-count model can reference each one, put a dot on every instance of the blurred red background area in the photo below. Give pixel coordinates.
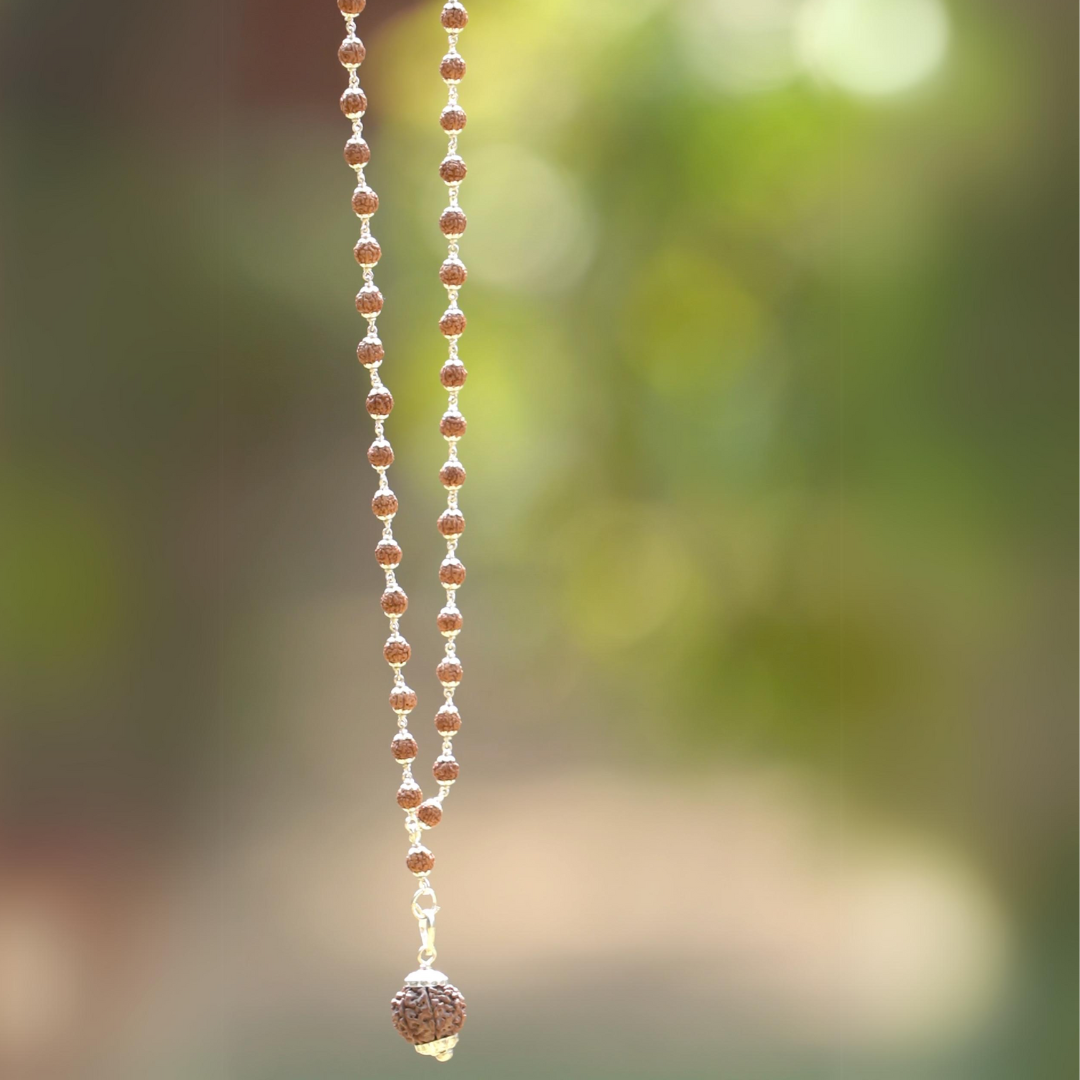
(768, 757)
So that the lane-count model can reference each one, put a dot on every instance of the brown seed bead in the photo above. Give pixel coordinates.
(425, 1014)
(364, 201)
(453, 322)
(452, 474)
(381, 454)
(445, 769)
(453, 169)
(369, 301)
(380, 402)
(351, 52)
(388, 553)
(351, 7)
(449, 620)
(453, 272)
(404, 747)
(394, 601)
(453, 118)
(453, 374)
(452, 425)
(430, 813)
(451, 523)
(453, 222)
(397, 650)
(450, 671)
(357, 151)
(354, 102)
(420, 861)
(409, 796)
(367, 251)
(454, 16)
(402, 699)
(453, 68)
(448, 720)
(384, 505)
(452, 572)
(370, 352)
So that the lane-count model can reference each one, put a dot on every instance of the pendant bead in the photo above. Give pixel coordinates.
(430, 1016)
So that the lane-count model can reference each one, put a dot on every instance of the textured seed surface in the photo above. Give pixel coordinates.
(453, 222)
(397, 651)
(352, 7)
(445, 770)
(453, 374)
(420, 862)
(451, 523)
(424, 1014)
(354, 103)
(352, 52)
(404, 748)
(367, 251)
(409, 796)
(430, 813)
(454, 16)
(370, 351)
(394, 601)
(448, 720)
(357, 152)
(453, 68)
(381, 454)
(453, 169)
(452, 572)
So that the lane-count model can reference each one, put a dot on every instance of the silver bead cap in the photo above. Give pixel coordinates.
(440, 1050)
(425, 977)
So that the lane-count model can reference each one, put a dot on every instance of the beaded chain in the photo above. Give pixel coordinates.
(428, 1012)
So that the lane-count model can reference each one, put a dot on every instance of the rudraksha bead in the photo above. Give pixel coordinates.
(453, 273)
(369, 301)
(448, 720)
(367, 251)
(453, 222)
(370, 352)
(452, 474)
(351, 52)
(420, 861)
(453, 322)
(451, 523)
(354, 103)
(351, 7)
(452, 572)
(397, 650)
(453, 68)
(449, 620)
(381, 454)
(445, 769)
(388, 553)
(453, 169)
(452, 425)
(450, 671)
(357, 151)
(453, 118)
(380, 402)
(384, 505)
(409, 796)
(394, 601)
(402, 699)
(364, 201)
(453, 374)
(454, 16)
(430, 813)
(428, 1014)
(404, 747)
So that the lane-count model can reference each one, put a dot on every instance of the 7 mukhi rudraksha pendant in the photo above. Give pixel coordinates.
(429, 1012)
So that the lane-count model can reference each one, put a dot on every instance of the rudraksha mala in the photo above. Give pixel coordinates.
(428, 1012)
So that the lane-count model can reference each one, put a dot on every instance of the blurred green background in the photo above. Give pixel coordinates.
(769, 747)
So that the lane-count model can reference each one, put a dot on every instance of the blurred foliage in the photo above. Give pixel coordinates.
(772, 399)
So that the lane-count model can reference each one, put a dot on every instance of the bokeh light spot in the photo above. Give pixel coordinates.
(531, 229)
(873, 47)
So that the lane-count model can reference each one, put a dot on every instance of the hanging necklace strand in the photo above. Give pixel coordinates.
(428, 1012)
